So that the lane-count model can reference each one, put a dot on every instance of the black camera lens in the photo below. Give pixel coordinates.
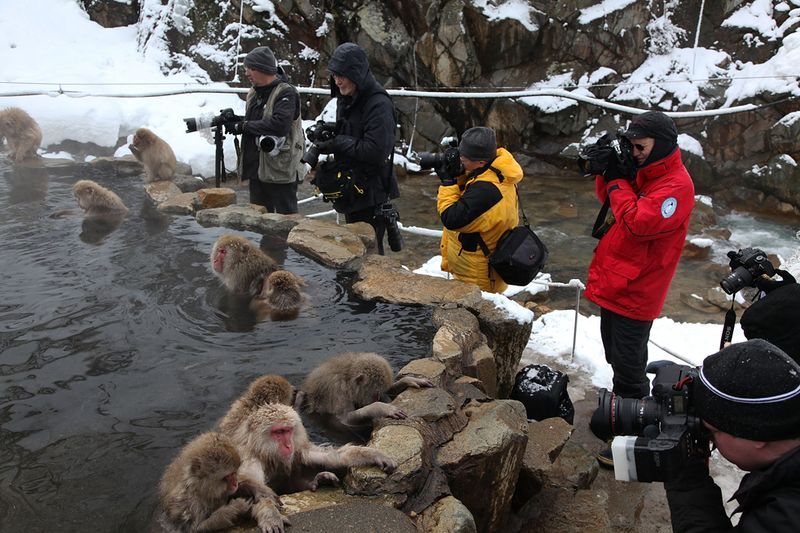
(191, 124)
(622, 416)
(430, 160)
(736, 280)
(393, 236)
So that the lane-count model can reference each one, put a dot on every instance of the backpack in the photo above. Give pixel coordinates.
(543, 392)
(519, 255)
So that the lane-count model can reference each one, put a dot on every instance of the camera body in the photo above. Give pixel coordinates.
(210, 120)
(747, 265)
(661, 432)
(609, 152)
(318, 132)
(448, 161)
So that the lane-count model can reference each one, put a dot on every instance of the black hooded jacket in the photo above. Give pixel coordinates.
(365, 126)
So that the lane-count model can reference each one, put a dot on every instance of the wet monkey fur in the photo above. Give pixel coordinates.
(349, 387)
(155, 154)
(196, 487)
(274, 445)
(269, 388)
(95, 199)
(21, 132)
(282, 295)
(241, 265)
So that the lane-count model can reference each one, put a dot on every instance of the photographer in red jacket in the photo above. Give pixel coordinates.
(638, 253)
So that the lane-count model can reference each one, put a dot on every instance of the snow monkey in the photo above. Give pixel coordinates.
(349, 387)
(196, 487)
(269, 388)
(155, 154)
(21, 132)
(241, 265)
(95, 199)
(274, 445)
(282, 294)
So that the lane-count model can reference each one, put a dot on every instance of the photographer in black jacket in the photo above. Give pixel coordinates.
(364, 141)
(748, 397)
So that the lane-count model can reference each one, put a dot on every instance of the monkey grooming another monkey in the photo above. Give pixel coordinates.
(22, 133)
(282, 294)
(349, 387)
(269, 388)
(196, 487)
(240, 265)
(274, 445)
(155, 154)
(96, 200)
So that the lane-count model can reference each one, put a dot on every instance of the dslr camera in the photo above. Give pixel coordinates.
(657, 435)
(747, 265)
(448, 162)
(318, 132)
(610, 152)
(391, 216)
(209, 120)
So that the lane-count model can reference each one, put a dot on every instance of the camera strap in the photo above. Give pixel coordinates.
(727, 327)
(602, 224)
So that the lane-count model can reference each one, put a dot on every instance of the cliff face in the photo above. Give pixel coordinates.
(642, 55)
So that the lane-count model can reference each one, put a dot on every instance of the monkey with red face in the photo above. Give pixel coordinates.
(275, 446)
(241, 266)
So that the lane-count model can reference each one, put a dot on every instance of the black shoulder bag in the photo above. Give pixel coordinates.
(520, 255)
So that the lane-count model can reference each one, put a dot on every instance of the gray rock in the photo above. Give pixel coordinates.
(574, 468)
(331, 244)
(546, 439)
(567, 511)
(485, 459)
(184, 203)
(248, 217)
(447, 515)
(189, 183)
(161, 191)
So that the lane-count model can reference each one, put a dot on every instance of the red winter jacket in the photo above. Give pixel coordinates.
(634, 262)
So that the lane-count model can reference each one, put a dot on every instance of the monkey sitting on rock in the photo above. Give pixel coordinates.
(347, 389)
(155, 154)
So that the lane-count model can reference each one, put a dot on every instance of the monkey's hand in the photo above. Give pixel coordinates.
(415, 383)
(225, 516)
(269, 518)
(135, 151)
(384, 462)
(373, 411)
(323, 478)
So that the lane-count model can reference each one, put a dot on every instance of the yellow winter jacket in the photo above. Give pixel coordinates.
(476, 212)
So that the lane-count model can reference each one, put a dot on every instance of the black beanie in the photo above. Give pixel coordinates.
(660, 128)
(261, 59)
(750, 390)
(775, 318)
(478, 144)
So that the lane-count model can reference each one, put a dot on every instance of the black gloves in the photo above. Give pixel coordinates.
(445, 176)
(234, 128)
(326, 147)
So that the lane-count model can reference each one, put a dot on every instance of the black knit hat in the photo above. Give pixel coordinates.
(750, 390)
(775, 318)
(478, 144)
(653, 124)
(261, 59)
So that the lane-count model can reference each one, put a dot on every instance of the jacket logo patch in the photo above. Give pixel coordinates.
(668, 207)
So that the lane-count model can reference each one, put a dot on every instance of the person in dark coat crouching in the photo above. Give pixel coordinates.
(364, 142)
(748, 397)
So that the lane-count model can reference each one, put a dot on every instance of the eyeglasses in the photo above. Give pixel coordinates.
(639, 147)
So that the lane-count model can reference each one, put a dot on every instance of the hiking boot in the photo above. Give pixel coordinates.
(605, 458)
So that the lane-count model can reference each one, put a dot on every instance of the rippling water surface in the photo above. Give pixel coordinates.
(117, 345)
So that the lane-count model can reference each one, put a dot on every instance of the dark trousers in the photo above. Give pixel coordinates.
(625, 344)
(368, 215)
(278, 198)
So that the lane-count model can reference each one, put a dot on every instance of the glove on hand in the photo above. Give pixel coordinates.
(326, 147)
(445, 176)
(234, 128)
(617, 170)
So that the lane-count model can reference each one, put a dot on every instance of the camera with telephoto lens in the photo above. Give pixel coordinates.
(270, 144)
(661, 432)
(747, 265)
(610, 151)
(449, 161)
(391, 216)
(209, 120)
(318, 132)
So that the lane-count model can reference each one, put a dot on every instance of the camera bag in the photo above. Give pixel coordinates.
(337, 183)
(543, 392)
(520, 254)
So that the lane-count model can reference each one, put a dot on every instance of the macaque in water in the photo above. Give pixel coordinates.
(282, 295)
(241, 266)
(155, 154)
(96, 200)
(269, 388)
(349, 387)
(21, 132)
(196, 488)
